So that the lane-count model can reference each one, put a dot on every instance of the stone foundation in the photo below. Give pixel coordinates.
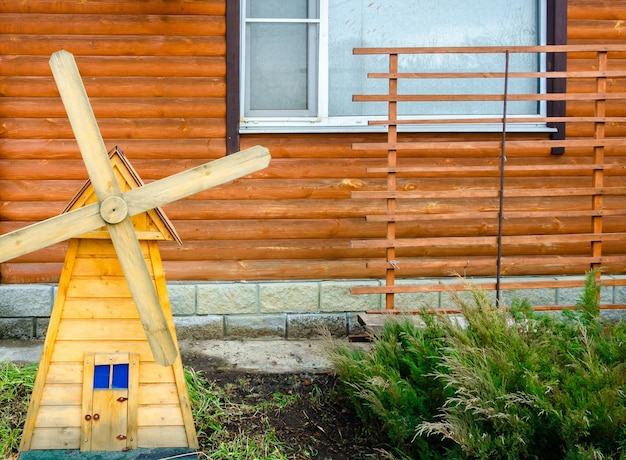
(269, 310)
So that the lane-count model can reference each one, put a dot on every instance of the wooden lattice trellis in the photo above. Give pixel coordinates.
(594, 196)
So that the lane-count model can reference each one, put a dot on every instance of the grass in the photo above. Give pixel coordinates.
(16, 384)
(214, 414)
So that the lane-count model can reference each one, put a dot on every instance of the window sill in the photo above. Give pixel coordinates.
(332, 126)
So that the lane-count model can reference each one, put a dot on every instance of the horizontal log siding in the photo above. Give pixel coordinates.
(155, 72)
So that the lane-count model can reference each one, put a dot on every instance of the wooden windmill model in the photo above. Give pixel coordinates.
(113, 375)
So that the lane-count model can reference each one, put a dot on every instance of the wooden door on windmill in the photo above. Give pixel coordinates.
(110, 383)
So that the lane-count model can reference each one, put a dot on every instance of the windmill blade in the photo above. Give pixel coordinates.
(84, 124)
(51, 231)
(144, 294)
(195, 180)
(113, 208)
(142, 199)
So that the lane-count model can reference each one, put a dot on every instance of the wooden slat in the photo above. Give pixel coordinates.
(576, 48)
(53, 438)
(493, 215)
(164, 128)
(151, 373)
(210, 7)
(120, 66)
(487, 97)
(104, 329)
(159, 415)
(119, 107)
(32, 88)
(106, 24)
(73, 350)
(510, 75)
(62, 394)
(603, 30)
(464, 145)
(490, 241)
(113, 45)
(59, 416)
(492, 120)
(157, 394)
(549, 169)
(507, 261)
(162, 436)
(486, 193)
(598, 9)
(507, 285)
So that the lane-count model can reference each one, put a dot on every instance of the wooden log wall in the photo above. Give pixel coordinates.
(155, 72)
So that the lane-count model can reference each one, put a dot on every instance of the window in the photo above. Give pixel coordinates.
(107, 376)
(299, 73)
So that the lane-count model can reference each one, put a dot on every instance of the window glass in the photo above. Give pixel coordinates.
(101, 376)
(281, 43)
(120, 376)
(278, 67)
(298, 61)
(435, 23)
(277, 9)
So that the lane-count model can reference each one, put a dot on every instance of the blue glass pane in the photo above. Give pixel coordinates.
(101, 376)
(120, 376)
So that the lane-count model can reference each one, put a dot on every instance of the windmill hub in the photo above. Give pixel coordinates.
(113, 209)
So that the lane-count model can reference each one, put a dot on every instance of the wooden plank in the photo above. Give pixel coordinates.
(62, 394)
(511, 170)
(104, 329)
(465, 145)
(59, 416)
(119, 107)
(487, 97)
(490, 240)
(493, 49)
(154, 394)
(140, 128)
(107, 288)
(77, 23)
(159, 415)
(597, 9)
(74, 350)
(56, 438)
(500, 75)
(120, 87)
(599, 29)
(151, 373)
(121, 66)
(111, 45)
(493, 215)
(486, 193)
(65, 373)
(507, 261)
(162, 436)
(86, 426)
(210, 7)
(101, 268)
(100, 308)
(133, 401)
(405, 289)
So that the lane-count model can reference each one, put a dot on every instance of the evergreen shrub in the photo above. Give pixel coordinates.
(504, 383)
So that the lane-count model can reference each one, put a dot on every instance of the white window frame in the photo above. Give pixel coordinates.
(342, 124)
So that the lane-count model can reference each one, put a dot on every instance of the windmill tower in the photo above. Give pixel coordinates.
(117, 351)
(97, 374)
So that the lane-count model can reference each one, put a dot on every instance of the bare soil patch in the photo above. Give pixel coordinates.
(312, 423)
